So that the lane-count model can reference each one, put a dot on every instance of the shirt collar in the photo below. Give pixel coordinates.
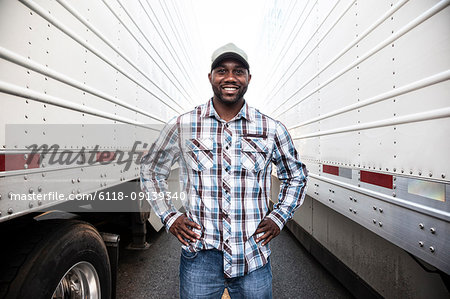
(245, 112)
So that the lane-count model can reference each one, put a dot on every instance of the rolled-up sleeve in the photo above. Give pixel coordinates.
(293, 176)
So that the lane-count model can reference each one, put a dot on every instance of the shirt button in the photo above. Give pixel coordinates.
(226, 241)
(227, 147)
(227, 125)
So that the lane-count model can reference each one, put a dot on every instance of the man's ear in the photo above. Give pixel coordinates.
(210, 77)
(249, 77)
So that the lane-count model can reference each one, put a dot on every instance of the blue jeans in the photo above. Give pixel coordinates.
(201, 276)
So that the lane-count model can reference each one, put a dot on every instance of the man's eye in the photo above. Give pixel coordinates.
(221, 71)
(239, 72)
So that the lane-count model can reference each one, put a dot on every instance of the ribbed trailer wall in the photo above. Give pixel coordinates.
(95, 74)
(363, 88)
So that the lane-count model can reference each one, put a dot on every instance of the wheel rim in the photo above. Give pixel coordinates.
(80, 281)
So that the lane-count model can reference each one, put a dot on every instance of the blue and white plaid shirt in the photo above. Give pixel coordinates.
(225, 172)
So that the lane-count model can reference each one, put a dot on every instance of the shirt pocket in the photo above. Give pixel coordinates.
(200, 153)
(254, 153)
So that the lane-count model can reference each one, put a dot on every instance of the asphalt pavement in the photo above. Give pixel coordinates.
(153, 273)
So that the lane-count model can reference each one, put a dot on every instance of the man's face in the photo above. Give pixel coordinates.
(229, 81)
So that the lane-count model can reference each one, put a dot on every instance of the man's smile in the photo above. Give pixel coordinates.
(230, 89)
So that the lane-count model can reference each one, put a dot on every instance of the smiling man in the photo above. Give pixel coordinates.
(225, 150)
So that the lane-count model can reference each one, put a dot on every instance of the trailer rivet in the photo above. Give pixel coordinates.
(354, 199)
(374, 221)
(73, 192)
(78, 191)
(43, 164)
(402, 170)
(43, 174)
(25, 177)
(443, 175)
(30, 205)
(78, 180)
(410, 172)
(350, 209)
(395, 169)
(332, 201)
(25, 156)
(0, 196)
(10, 211)
(73, 181)
(10, 194)
(25, 166)
(105, 175)
(40, 189)
(420, 172)
(381, 210)
(431, 248)
(101, 175)
(394, 195)
(433, 230)
(39, 202)
(354, 211)
(421, 226)
(394, 186)
(375, 208)
(31, 191)
(380, 224)
(350, 198)
(420, 243)
(430, 174)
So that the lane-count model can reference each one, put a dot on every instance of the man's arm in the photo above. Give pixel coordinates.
(293, 176)
(155, 169)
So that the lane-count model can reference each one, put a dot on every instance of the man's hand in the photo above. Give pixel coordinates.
(182, 229)
(270, 230)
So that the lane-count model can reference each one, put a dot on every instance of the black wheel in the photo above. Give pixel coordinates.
(69, 261)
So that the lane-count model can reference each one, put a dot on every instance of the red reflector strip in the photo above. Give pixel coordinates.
(330, 169)
(379, 179)
(105, 156)
(18, 162)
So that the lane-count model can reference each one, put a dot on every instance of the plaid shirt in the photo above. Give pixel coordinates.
(225, 173)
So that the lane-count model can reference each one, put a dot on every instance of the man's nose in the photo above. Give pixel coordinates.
(230, 77)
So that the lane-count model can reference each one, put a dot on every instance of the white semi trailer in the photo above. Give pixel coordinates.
(83, 86)
(362, 86)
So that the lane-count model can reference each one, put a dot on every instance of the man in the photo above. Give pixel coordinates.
(225, 150)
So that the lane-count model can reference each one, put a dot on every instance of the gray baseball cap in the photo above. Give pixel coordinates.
(229, 50)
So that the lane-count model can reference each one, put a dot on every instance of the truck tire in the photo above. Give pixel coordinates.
(69, 261)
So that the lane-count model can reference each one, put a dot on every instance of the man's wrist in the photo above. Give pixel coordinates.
(276, 217)
(171, 219)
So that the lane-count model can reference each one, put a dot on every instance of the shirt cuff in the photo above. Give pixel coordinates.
(278, 217)
(170, 219)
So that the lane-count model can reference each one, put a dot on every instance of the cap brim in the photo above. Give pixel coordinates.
(229, 55)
